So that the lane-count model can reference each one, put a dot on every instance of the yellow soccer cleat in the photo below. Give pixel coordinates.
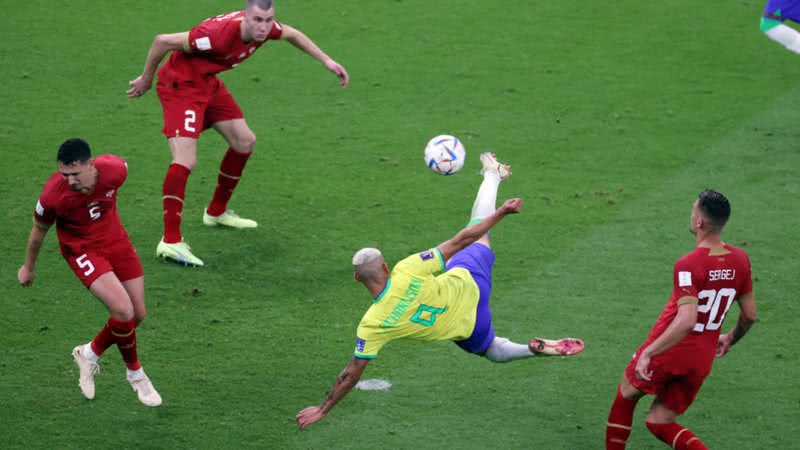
(179, 252)
(228, 219)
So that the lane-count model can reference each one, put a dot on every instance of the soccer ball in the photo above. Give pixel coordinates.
(445, 154)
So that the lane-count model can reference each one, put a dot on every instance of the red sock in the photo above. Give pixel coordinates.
(619, 423)
(124, 332)
(103, 340)
(174, 192)
(676, 436)
(229, 173)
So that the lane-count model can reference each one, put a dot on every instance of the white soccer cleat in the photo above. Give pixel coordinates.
(228, 219)
(489, 161)
(143, 387)
(87, 369)
(179, 252)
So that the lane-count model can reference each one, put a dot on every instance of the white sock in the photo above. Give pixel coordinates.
(89, 353)
(486, 199)
(786, 36)
(135, 374)
(503, 350)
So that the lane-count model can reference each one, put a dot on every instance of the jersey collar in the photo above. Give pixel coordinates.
(383, 292)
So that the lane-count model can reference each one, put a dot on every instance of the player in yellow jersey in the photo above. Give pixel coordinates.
(414, 302)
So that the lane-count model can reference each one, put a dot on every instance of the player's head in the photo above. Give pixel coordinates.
(710, 212)
(75, 164)
(369, 265)
(259, 17)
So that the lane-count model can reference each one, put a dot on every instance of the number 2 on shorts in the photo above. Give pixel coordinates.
(188, 122)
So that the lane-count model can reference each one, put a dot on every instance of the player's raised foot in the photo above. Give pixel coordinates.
(560, 347)
(88, 369)
(178, 252)
(489, 161)
(228, 219)
(144, 389)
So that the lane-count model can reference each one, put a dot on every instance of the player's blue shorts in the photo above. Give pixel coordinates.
(782, 9)
(478, 259)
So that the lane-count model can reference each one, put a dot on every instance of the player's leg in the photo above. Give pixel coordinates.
(241, 140)
(620, 418)
(184, 158)
(772, 24)
(122, 330)
(225, 116)
(184, 112)
(661, 422)
(486, 200)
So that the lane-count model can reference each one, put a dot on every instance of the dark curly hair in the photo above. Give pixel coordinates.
(74, 150)
(715, 207)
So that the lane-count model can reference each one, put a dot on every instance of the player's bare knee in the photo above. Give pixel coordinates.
(246, 143)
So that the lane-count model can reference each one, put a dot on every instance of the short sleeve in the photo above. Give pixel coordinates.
(276, 32)
(684, 280)
(113, 169)
(205, 37)
(425, 263)
(43, 212)
(368, 342)
(747, 282)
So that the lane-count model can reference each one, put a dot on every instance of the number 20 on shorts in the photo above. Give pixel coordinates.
(189, 121)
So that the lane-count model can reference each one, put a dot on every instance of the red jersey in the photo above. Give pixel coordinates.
(716, 279)
(216, 46)
(85, 220)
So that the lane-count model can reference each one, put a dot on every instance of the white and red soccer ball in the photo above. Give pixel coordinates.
(445, 154)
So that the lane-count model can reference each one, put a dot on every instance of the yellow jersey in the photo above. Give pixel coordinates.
(418, 304)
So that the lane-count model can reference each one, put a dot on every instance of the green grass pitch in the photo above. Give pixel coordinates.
(614, 115)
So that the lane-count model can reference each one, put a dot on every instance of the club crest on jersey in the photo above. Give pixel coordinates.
(110, 193)
(426, 255)
(360, 344)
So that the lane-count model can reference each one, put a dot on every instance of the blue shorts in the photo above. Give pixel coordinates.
(478, 259)
(782, 9)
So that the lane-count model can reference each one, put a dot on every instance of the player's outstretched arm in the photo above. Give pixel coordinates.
(747, 317)
(304, 43)
(162, 44)
(681, 325)
(472, 233)
(26, 273)
(344, 383)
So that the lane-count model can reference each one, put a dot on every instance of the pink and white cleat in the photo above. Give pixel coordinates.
(561, 347)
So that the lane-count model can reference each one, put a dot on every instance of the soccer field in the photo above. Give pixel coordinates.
(613, 116)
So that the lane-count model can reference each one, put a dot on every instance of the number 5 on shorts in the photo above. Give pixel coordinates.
(188, 122)
(84, 263)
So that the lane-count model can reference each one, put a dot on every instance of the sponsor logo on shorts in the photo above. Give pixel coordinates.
(39, 208)
(426, 255)
(359, 344)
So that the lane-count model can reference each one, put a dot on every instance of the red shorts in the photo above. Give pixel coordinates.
(674, 382)
(120, 258)
(191, 107)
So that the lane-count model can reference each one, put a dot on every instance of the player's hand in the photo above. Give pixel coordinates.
(139, 86)
(339, 70)
(309, 415)
(642, 365)
(723, 345)
(25, 276)
(512, 206)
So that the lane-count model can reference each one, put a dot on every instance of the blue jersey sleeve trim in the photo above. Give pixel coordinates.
(441, 258)
(383, 292)
(365, 356)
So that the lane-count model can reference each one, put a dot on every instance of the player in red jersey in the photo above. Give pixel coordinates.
(81, 199)
(194, 99)
(678, 354)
